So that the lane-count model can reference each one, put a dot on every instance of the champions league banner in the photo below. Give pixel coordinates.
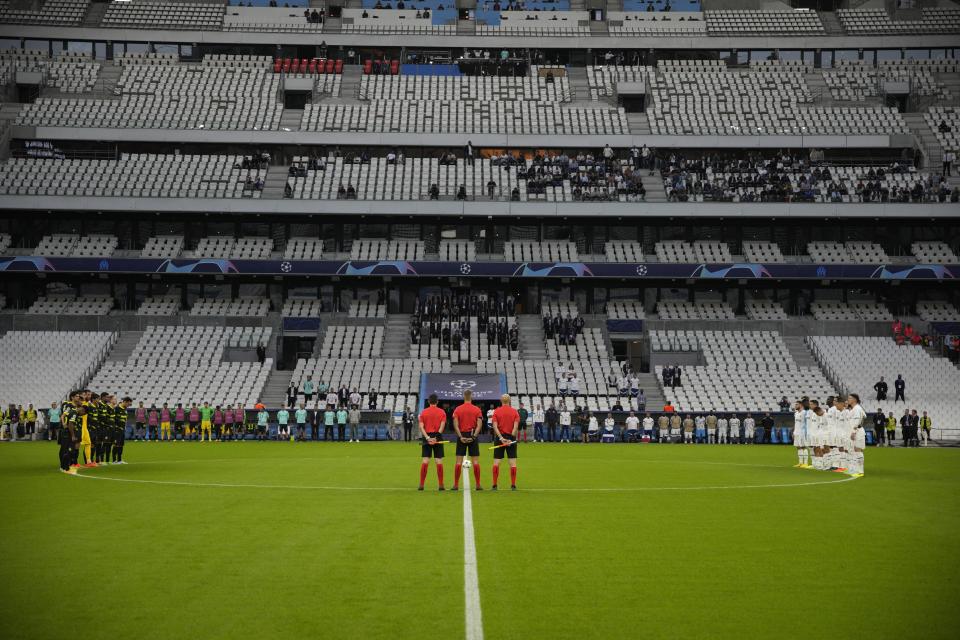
(450, 386)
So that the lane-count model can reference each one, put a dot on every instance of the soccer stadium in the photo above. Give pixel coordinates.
(287, 287)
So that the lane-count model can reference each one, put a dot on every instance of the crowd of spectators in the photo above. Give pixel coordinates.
(447, 317)
(790, 178)
(562, 328)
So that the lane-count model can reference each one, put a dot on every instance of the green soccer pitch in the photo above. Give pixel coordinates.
(279, 540)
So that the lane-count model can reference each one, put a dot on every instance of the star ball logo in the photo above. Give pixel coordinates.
(821, 271)
(464, 268)
(286, 267)
(641, 270)
(462, 385)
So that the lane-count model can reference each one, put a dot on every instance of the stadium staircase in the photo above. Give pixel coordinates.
(579, 87)
(639, 124)
(274, 182)
(466, 28)
(107, 80)
(532, 341)
(929, 145)
(95, 13)
(123, 348)
(396, 339)
(650, 384)
(831, 23)
(274, 392)
(799, 351)
(654, 186)
(290, 119)
(350, 81)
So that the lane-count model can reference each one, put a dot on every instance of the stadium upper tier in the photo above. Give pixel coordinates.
(683, 98)
(534, 18)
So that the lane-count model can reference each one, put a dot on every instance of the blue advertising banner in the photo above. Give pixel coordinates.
(360, 268)
(450, 386)
(625, 326)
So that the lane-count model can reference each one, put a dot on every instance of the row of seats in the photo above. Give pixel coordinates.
(745, 371)
(366, 309)
(682, 310)
(625, 310)
(878, 21)
(366, 249)
(352, 341)
(68, 305)
(860, 80)
(132, 175)
(678, 251)
(41, 367)
(857, 363)
(168, 305)
(545, 251)
(945, 124)
(764, 310)
(302, 308)
(937, 312)
(850, 252)
(628, 23)
(457, 251)
(478, 346)
(231, 308)
(184, 364)
(790, 22)
(540, 377)
(426, 116)
(251, 248)
(156, 14)
(303, 249)
(838, 311)
(50, 12)
(467, 88)
(74, 245)
(162, 247)
(589, 344)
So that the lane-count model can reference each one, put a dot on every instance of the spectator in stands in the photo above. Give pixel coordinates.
(784, 404)
(351, 192)
(676, 381)
(667, 374)
(434, 192)
(341, 192)
(261, 353)
(881, 389)
(354, 398)
(372, 400)
(462, 192)
(308, 389)
(468, 154)
(900, 385)
(641, 396)
(491, 188)
(949, 157)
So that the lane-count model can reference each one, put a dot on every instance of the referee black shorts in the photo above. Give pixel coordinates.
(435, 450)
(511, 451)
(471, 448)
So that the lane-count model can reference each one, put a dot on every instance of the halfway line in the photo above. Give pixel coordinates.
(471, 584)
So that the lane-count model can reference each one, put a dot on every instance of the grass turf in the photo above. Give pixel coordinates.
(704, 550)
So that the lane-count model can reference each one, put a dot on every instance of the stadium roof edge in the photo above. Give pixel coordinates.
(448, 208)
(740, 42)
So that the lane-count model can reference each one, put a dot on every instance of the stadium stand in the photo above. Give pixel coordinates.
(879, 22)
(41, 365)
(737, 22)
(839, 311)
(238, 308)
(162, 14)
(168, 305)
(302, 308)
(546, 251)
(366, 309)
(137, 175)
(625, 310)
(228, 92)
(51, 12)
(933, 252)
(623, 251)
(538, 23)
(74, 245)
(303, 249)
(162, 247)
(270, 20)
(945, 123)
(937, 312)
(652, 24)
(185, 364)
(851, 252)
(370, 249)
(352, 341)
(69, 305)
(764, 310)
(237, 248)
(457, 250)
(855, 364)
(744, 371)
(762, 251)
(678, 310)
(393, 21)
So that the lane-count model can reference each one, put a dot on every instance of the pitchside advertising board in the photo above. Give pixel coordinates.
(449, 387)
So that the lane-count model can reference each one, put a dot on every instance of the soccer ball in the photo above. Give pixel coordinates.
(466, 464)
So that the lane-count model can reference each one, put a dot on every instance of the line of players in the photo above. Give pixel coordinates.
(833, 435)
(468, 424)
(92, 425)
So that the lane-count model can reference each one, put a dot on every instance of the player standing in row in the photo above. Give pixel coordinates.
(856, 439)
(119, 430)
(506, 421)
(801, 434)
(467, 422)
(432, 421)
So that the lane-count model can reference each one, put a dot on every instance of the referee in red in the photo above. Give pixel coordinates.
(432, 420)
(467, 421)
(506, 421)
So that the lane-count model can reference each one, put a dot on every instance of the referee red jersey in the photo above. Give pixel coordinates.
(432, 418)
(506, 418)
(467, 416)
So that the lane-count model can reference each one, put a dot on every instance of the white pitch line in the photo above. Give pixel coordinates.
(471, 583)
(226, 485)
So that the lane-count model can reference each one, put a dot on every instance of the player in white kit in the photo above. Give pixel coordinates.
(857, 416)
(833, 435)
(817, 429)
(801, 434)
(735, 430)
(722, 426)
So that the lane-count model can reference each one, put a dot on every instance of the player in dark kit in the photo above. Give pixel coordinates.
(69, 435)
(104, 438)
(467, 422)
(506, 421)
(432, 421)
(119, 428)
